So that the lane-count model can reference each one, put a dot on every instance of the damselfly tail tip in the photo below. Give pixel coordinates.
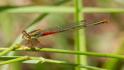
(101, 22)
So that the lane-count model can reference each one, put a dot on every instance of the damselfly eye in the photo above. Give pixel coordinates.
(25, 35)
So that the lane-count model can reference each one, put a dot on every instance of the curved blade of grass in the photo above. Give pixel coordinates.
(19, 39)
(45, 14)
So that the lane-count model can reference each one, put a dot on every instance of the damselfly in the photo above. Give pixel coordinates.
(32, 37)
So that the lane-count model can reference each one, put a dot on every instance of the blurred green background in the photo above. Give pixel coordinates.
(105, 38)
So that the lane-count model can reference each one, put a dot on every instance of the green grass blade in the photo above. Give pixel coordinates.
(80, 35)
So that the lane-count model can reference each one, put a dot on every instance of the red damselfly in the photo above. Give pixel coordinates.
(32, 37)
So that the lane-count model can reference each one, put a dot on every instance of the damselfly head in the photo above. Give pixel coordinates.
(25, 35)
(31, 35)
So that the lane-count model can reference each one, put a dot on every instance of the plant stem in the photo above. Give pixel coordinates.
(59, 9)
(9, 50)
(70, 52)
(42, 60)
(80, 44)
(13, 60)
(81, 53)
